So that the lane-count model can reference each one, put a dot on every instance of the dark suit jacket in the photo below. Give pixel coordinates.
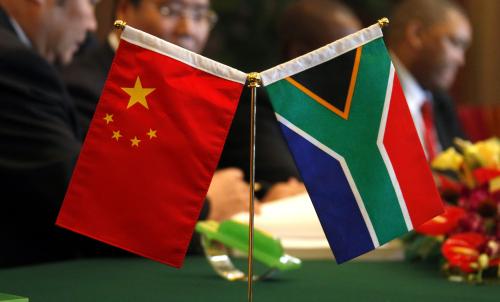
(39, 143)
(85, 78)
(445, 119)
(273, 160)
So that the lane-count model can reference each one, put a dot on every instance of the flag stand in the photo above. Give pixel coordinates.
(253, 83)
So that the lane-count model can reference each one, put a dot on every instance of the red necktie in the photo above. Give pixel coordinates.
(430, 137)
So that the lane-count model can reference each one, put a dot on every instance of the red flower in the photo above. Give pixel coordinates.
(472, 200)
(483, 175)
(472, 222)
(444, 223)
(463, 250)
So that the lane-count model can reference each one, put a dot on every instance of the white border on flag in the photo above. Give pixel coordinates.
(321, 55)
(190, 58)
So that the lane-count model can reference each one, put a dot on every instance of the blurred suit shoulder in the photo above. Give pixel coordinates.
(40, 143)
(85, 78)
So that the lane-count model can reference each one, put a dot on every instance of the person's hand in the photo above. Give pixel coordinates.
(228, 194)
(284, 189)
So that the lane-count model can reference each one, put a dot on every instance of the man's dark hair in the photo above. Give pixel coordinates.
(427, 12)
(304, 21)
(135, 3)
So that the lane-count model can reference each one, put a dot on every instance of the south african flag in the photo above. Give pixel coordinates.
(345, 118)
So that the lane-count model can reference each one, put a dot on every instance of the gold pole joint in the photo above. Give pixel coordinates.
(120, 24)
(254, 79)
(383, 22)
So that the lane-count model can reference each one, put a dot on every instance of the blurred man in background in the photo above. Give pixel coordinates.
(428, 40)
(39, 134)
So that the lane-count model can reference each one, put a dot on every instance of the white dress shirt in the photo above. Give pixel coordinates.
(20, 32)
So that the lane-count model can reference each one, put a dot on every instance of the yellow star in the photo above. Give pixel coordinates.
(108, 118)
(117, 135)
(138, 94)
(151, 133)
(135, 141)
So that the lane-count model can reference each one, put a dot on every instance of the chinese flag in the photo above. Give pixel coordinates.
(152, 148)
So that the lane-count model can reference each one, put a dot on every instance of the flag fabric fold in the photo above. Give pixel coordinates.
(152, 148)
(345, 118)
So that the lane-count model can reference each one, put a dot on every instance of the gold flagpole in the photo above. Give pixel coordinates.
(253, 83)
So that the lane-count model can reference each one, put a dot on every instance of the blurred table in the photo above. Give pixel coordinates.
(134, 279)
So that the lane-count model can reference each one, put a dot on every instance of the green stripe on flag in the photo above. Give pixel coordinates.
(355, 138)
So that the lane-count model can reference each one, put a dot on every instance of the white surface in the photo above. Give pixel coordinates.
(294, 221)
(289, 219)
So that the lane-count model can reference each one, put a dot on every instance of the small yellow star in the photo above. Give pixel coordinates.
(108, 118)
(135, 141)
(138, 94)
(151, 133)
(117, 135)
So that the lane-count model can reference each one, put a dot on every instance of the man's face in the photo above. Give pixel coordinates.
(186, 23)
(442, 51)
(66, 26)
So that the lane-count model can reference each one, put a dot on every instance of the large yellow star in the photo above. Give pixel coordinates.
(138, 94)
(135, 141)
(152, 133)
(117, 135)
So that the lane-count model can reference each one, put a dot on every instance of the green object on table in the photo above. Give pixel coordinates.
(232, 234)
(12, 298)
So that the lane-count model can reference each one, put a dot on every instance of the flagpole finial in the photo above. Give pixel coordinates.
(120, 24)
(254, 79)
(383, 22)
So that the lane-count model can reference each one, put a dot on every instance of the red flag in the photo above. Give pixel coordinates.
(152, 148)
